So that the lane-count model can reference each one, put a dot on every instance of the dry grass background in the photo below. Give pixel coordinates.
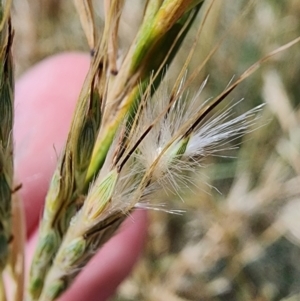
(241, 242)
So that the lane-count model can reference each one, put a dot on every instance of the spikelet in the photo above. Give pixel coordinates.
(161, 33)
(104, 99)
(184, 154)
(176, 134)
(62, 199)
(126, 144)
(149, 163)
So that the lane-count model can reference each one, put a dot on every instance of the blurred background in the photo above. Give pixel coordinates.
(239, 236)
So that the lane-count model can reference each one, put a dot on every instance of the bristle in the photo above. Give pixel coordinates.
(221, 129)
(170, 160)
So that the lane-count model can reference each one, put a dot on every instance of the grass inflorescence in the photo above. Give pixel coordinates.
(131, 137)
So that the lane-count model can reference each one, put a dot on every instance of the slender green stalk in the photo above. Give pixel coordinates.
(6, 137)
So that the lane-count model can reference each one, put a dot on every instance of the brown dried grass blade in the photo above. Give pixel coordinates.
(113, 9)
(86, 15)
(16, 259)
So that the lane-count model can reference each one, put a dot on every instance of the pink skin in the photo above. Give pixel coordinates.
(45, 100)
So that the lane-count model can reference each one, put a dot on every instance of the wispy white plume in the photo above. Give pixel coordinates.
(159, 161)
(170, 160)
